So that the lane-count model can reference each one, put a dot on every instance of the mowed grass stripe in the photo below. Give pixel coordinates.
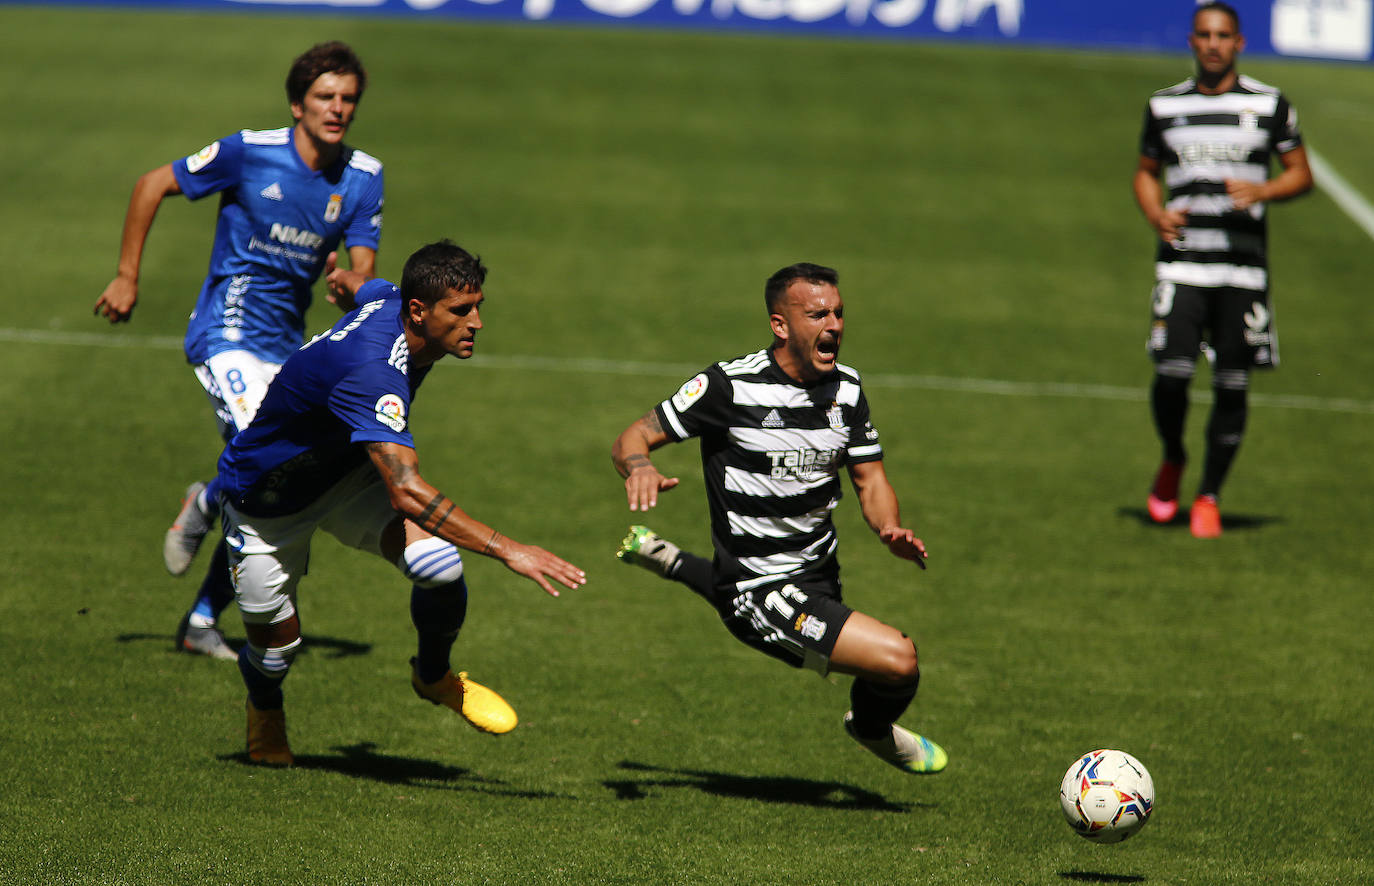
(591, 366)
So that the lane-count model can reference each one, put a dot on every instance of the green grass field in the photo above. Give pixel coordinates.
(631, 190)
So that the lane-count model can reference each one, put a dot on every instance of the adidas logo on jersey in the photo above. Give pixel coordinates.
(772, 419)
(272, 192)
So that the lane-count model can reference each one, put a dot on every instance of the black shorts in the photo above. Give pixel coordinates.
(795, 619)
(1236, 323)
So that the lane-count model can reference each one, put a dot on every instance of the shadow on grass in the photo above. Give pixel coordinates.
(1237, 522)
(362, 761)
(770, 789)
(1092, 877)
(330, 647)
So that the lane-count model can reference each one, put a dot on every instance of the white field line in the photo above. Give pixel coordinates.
(681, 371)
(1342, 192)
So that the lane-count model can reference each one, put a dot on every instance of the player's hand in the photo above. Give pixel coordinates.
(118, 300)
(341, 284)
(1244, 194)
(904, 543)
(538, 565)
(1169, 224)
(643, 486)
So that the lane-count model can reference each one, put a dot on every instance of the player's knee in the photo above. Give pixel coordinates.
(431, 563)
(899, 664)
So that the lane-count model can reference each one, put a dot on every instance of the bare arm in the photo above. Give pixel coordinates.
(878, 502)
(630, 454)
(437, 514)
(1293, 181)
(341, 284)
(1149, 195)
(117, 301)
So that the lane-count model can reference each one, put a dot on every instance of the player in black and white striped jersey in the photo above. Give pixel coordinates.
(775, 427)
(1210, 141)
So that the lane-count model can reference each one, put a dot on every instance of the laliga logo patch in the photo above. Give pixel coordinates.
(200, 159)
(690, 392)
(391, 411)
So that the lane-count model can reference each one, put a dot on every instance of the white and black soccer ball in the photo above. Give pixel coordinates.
(1107, 796)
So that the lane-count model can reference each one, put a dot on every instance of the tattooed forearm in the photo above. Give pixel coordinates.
(431, 518)
(651, 422)
(486, 549)
(636, 461)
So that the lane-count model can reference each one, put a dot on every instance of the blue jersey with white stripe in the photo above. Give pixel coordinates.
(278, 220)
(347, 387)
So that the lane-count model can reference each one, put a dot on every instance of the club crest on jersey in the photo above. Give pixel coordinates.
(690, 392)
(391, 411)
(810, 627)
(334, 209)
(1249, 119)
(834, 416)
(200, 159)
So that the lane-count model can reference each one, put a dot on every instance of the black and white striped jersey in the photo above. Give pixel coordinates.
(1201, 141)
(771, 452)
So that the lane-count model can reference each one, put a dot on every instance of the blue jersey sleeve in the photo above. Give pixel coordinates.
(365, 228)
(374, 403)
(213, 168)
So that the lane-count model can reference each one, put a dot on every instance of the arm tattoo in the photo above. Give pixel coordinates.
(486, 549)
(651, 421)
(399, 470)
(424, 520)
(635, 461)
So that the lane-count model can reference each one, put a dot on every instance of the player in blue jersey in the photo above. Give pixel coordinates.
(330, 448)
(287, 198)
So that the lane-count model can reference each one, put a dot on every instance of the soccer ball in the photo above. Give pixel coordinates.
(1107, 796)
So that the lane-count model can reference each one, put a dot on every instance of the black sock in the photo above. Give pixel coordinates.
(877, 706)
(1169, 405)
(263, 691)
(1225, 429)
(437, 614)
(696, 573)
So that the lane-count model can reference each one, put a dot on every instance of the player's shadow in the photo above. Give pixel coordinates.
(1094, 877)
(329, 647)
(362, 760)
(1229, 521)
(770, 789)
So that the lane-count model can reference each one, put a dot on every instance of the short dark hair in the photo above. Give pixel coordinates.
(1219, 6)
(777, 285)
(333, 57)
(431, 271)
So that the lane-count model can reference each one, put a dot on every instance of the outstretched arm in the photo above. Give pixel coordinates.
(117, 301)
(630, 453)
(878, 502)
(437, 514)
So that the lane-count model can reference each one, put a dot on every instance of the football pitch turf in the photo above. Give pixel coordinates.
(630, 191)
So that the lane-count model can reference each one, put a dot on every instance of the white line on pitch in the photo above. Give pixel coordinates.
(590, 366)
(1342, 192)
